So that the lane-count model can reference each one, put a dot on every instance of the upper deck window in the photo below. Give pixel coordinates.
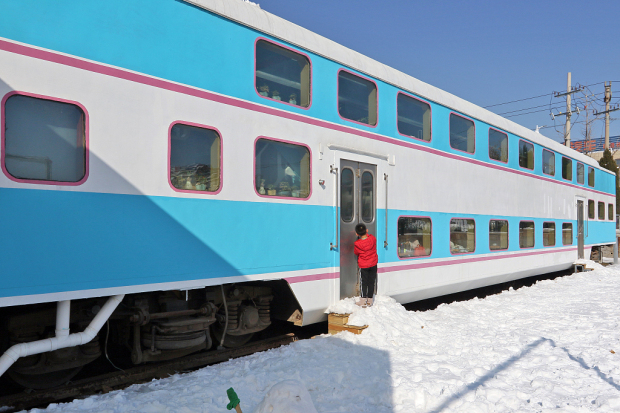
(498, 145)
(282, 74)
(526, 155)
(462, 133)
(590, 176)
(357, 98)
(580, 174)
(548, 162)
(414, 117)
(567, 169)
(44, 140)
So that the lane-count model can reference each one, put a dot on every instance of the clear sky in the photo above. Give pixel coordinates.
(484, 51)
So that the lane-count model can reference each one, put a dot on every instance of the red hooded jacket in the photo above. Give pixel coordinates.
(366, 251)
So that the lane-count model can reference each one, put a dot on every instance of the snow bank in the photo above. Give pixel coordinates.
(288, 396)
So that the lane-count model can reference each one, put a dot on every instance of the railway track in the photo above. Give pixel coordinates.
(140, 374)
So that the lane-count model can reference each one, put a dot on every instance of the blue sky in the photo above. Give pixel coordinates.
(484, 51)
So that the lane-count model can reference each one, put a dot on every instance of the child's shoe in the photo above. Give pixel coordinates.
(361, 302)
(369, 302)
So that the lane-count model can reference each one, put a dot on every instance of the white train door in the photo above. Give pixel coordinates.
(358, 204)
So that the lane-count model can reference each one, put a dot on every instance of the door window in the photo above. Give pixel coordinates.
(367, 197)
(346, 195)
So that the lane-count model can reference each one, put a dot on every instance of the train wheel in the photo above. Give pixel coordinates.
(229, 341)
(44, 380)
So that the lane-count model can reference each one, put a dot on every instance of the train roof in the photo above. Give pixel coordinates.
(254, 17)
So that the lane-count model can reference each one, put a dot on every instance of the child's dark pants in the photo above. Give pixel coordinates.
(369, 278)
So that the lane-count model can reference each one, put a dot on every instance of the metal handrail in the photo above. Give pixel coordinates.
(385, 243)
(332, 246)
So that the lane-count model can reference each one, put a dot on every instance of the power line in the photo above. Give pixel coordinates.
(536, 97)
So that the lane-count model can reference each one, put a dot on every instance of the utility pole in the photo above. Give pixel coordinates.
(607, 112)
(569, 91)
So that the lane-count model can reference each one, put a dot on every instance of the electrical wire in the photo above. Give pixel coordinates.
(107, 334)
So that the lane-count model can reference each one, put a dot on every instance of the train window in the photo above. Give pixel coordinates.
(282, 74)
(526, 234)
(526, 155)
(610, 212)
(548, 234)
(462, 235)
(567, 233)
(567, 169)
(368, 197)
(347, 188)
(590, 176)
(591, 209)
(414, 237)
(498, 235)
(414, 117)
(195, 156)
(498, 145)
(580, 174)
(44, 140)
(462, 134)
(282, 169)
(548, 162)
(357, 98)
(601, 210)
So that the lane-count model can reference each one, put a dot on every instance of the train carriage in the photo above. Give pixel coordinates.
(191, 170)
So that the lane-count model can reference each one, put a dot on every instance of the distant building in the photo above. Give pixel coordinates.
(595, 147)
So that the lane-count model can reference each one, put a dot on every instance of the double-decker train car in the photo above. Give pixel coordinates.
(187, 171)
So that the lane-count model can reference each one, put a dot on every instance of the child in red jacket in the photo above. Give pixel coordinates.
(366, 250)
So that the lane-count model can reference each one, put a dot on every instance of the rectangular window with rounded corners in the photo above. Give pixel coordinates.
(414, 117)
(526, 155)
(591, 211)
(282, 169)
(567, 233)
(526, 234)
(45, 140)
(610, 212)
(282, 74)
(462, 133)
(498, 145)
(567, 168)
(498, 234)
(548, 162)
(580, 174)
(462, 235)
(357, 98)
(590, 176)
(195, 157)
(414, 237)
(548, 234)
(601, 210)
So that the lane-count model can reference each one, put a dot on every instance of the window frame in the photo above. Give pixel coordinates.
(3, 139)
(475, 243)
(431, 117)
(599, 205)
(577, 173)
(610, 212)
(507, 146)
(593, 209)
(289, 198)
(533, 246)
(368, 125)
(449, 132)
(195, 125)
(554, 234)
(414, 257)
(593, 177)
(543, 161)
(533, 155)
(293, 51)
(571, 233)
(508, 236)
(571, 168)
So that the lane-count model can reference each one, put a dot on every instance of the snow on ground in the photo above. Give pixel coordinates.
(550, 347)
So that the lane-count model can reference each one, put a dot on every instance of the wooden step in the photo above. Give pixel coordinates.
(338, 322)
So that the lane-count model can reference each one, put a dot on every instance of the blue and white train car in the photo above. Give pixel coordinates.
(203, 162)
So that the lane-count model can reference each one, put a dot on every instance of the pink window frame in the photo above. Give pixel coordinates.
(571, 169)
(430, 108)
(507, 146)
(475, 235)
(338, 97)
(612, 212)
(533, 151)
(554, 234)
(450, 143)
(508, 234)
(275, 196)
(577, 174)
(588, 177)
(571, 233)
(414, 216)
(3, 138)
(599, 211)
(543, 161)
(294, 51)
(533, 246)
(594, 213)
(196, 125)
